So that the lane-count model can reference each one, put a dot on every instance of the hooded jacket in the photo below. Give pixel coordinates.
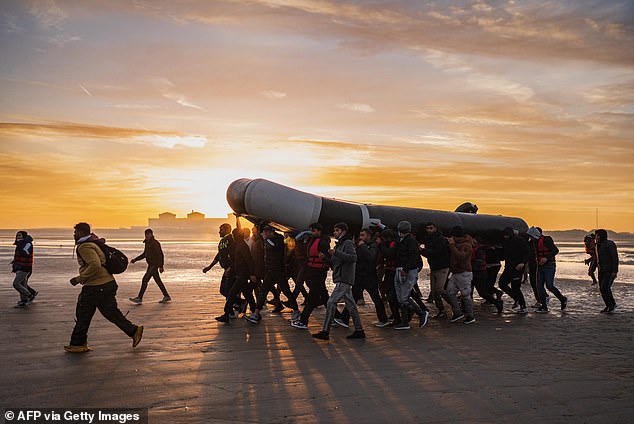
(91, 259)
(436, 251)
(23, 256)
(460, 259)
(344, 261)
(153, 253)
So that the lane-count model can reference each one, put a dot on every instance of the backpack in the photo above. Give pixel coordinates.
(116, 260)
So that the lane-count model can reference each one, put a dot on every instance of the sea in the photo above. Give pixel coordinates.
(185, 257)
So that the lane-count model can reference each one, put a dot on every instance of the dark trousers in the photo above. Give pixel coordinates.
(300, 279)
(605, 286)
(317, 292)
(369, 284)
(100, 297)
(228, 276)
(492, 275)
(512, 277)
(240, 285)
(480, 282)
(395, 307)
(271, 279)
(152, 272)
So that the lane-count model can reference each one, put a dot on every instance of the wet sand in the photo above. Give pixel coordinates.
(574, 367)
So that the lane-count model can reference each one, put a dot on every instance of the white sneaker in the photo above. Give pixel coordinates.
(295, 315)
(381, 324)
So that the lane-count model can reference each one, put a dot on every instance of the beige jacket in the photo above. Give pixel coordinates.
(91, 269)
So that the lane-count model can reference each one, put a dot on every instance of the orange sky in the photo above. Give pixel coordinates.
(115, 111)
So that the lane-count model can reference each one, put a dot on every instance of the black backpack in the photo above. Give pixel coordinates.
(116, 260)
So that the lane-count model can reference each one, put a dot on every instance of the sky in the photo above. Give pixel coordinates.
(115, 111)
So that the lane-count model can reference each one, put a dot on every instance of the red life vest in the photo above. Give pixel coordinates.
(313, 260)
(543, 251)
(21, 260)
(390, 264)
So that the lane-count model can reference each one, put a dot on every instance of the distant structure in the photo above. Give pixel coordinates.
(195, 221)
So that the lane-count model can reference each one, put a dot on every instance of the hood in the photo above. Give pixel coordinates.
(25, 240)
(463, 239)
(92, 238)
(534, 233)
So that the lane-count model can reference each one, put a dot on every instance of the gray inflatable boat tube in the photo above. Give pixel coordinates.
(260, 200)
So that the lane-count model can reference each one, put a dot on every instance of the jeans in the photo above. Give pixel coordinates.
(460, 282)
(152, 272)
(341, 291)
(404, 286)
(369, 284)
(100, 297)
(437, 280)
(480, 282)
(21, 284)
(546, 280)
(513, 277)
(605, 286)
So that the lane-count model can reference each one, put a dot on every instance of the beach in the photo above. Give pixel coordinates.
(572, 366)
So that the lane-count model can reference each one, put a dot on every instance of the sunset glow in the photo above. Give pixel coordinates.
(114, 111)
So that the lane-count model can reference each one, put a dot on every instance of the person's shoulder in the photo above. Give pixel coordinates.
(88, 246)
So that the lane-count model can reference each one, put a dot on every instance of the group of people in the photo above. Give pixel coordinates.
(384, 262)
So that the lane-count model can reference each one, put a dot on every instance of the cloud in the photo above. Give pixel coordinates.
(47, 13)
(272, 94)
(156, 138)
(356, 107)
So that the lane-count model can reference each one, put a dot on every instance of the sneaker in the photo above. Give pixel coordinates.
(300, 325)
(541, 311)
(295, 315)
(223, 318)
(30, 299)
(605, 310)
(469, 320)
(537, 305)
(440, 315)
(499, 304)
(357, 334)
(456, 317)
(136, 300)
(522, 310)
(21, 304)
(138, 334)
(253, 318)
(612, 309)
(381, 324)
(322, 335)
(165, 299)
(423, 319)
(340, 323)
(564, 303)
(402, 326)
(77, 349)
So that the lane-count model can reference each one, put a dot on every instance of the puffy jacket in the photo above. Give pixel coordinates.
(460, 259)
(91, 262)
(153, 253)
(436, 251)
(344, 261)
(23, 256)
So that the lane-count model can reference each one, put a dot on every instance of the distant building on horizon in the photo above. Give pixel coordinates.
(195, 221)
